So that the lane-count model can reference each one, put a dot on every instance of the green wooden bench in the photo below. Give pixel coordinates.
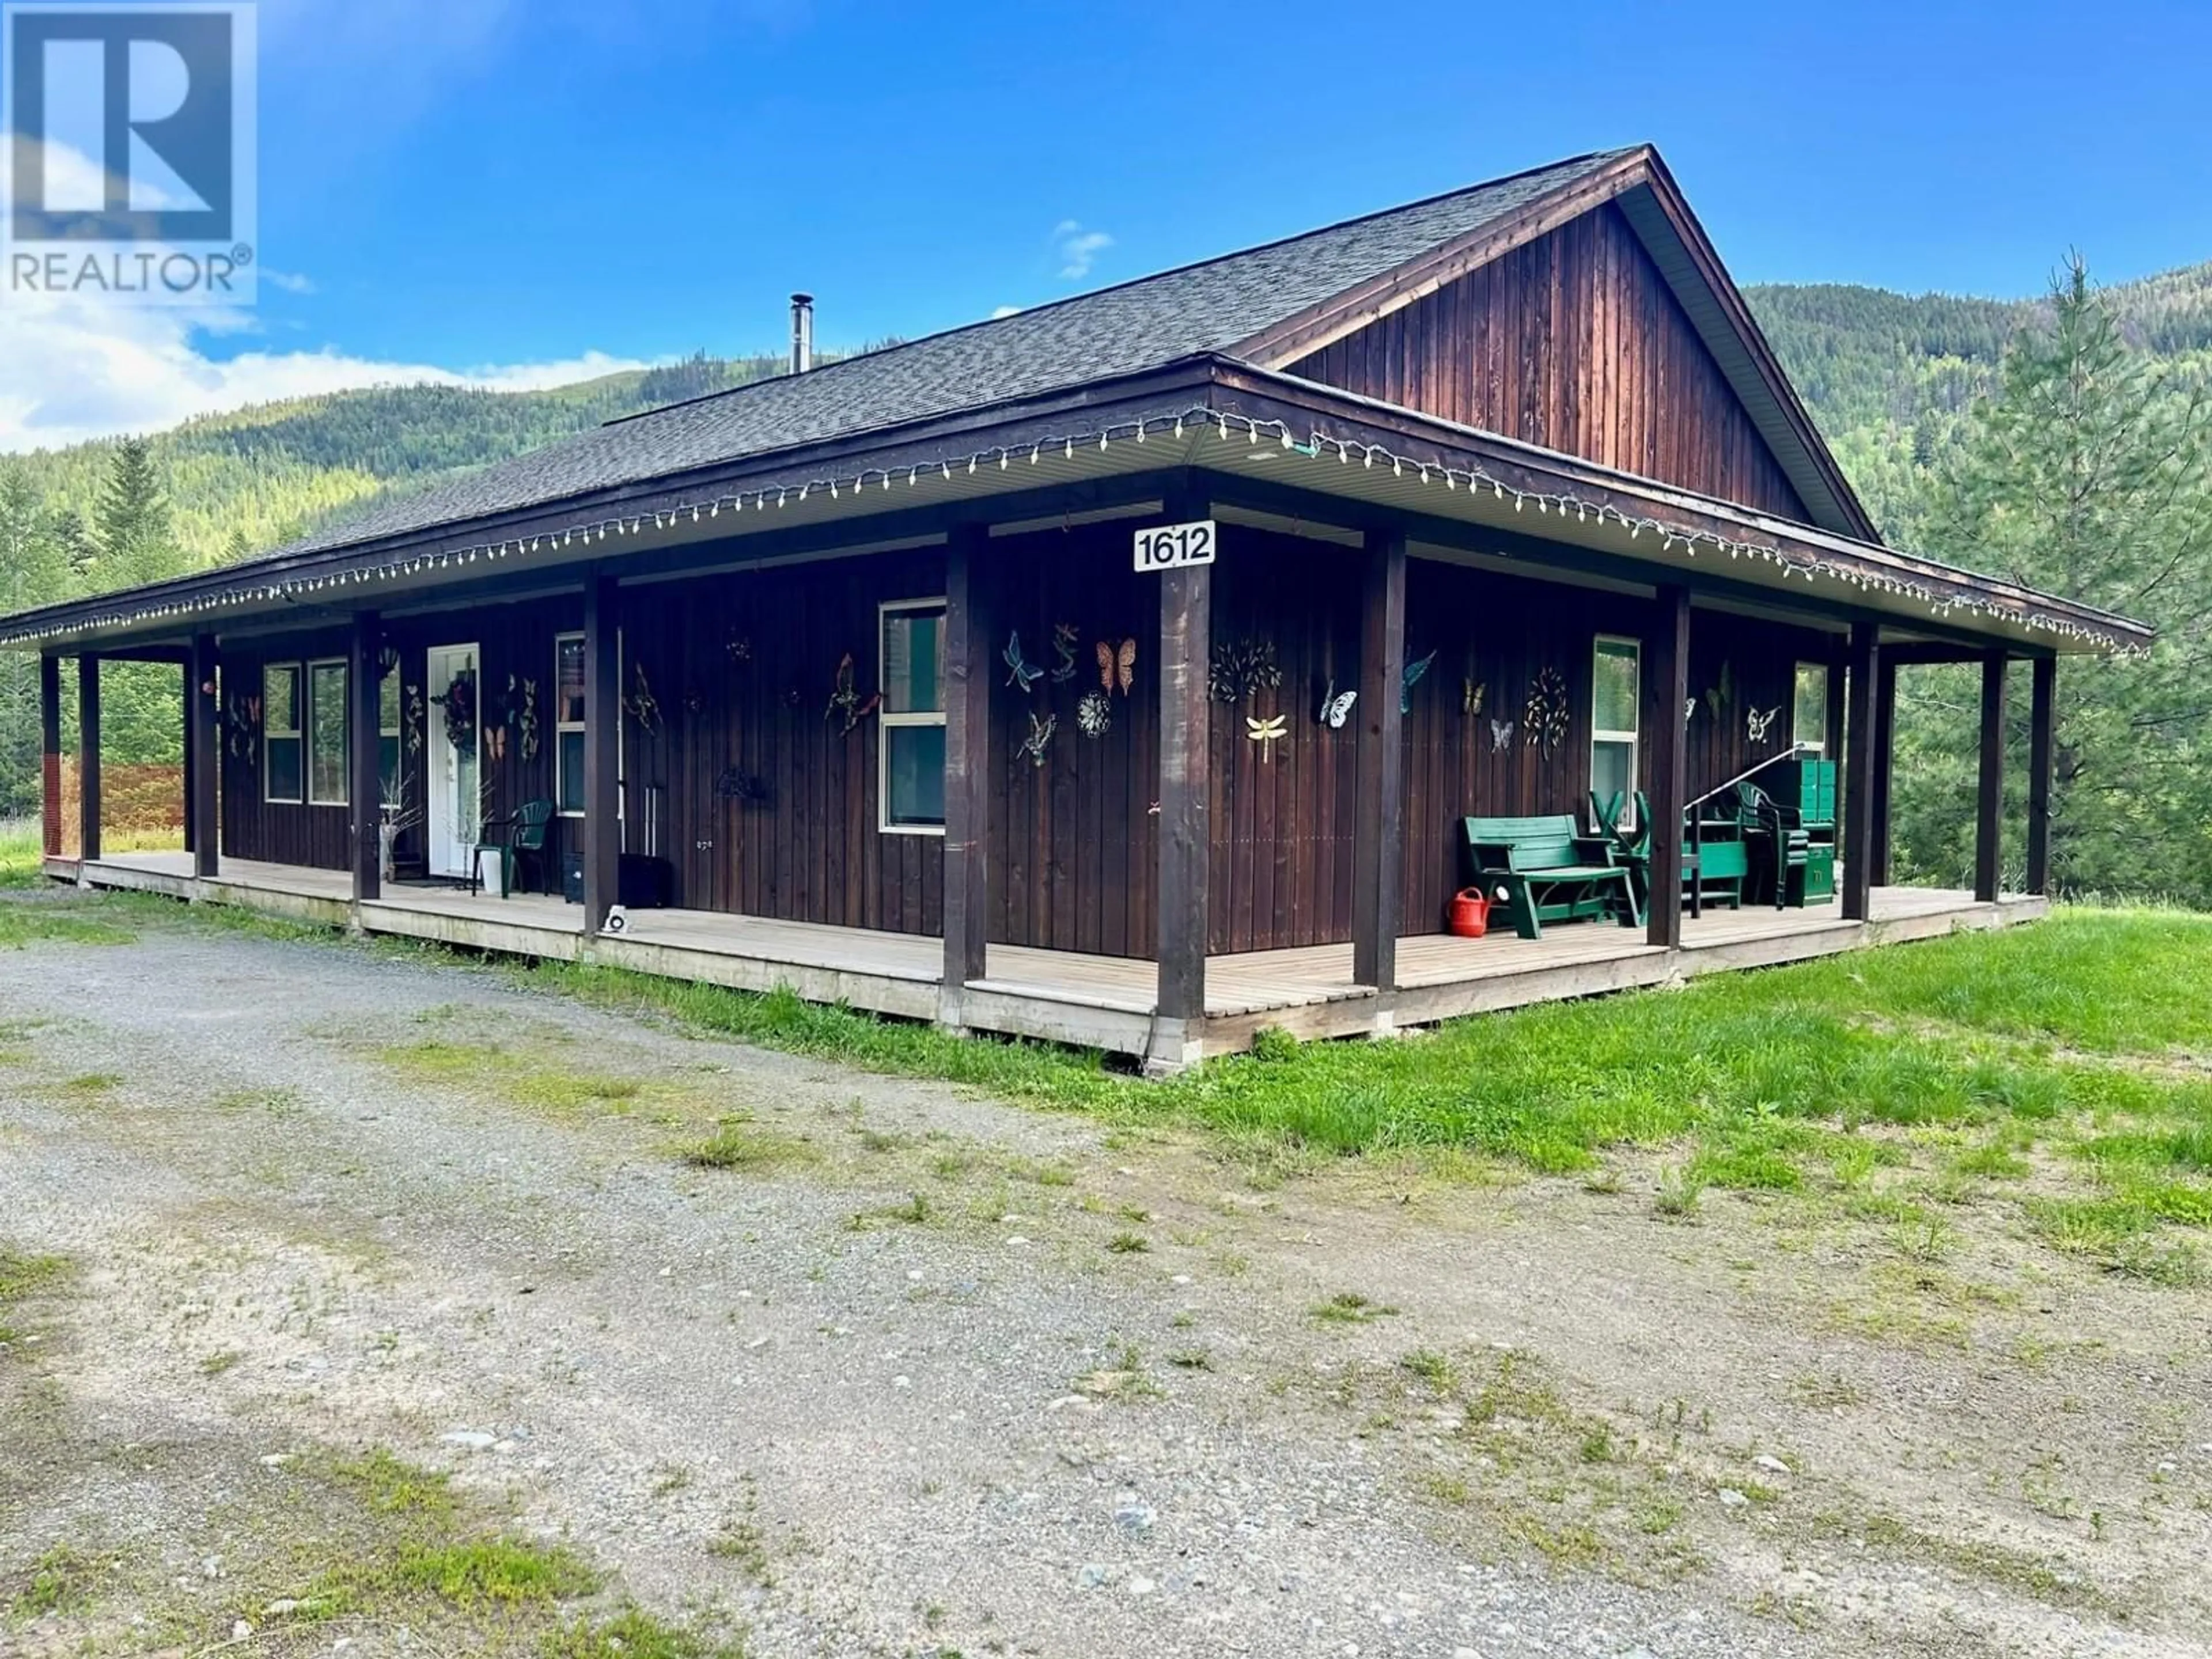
(1549, 871)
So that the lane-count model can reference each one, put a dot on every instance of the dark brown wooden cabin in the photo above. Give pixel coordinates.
(812, 668)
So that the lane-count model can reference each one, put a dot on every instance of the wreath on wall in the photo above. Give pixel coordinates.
(459, 702)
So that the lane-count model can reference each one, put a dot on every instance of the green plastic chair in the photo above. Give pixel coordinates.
(521, 838)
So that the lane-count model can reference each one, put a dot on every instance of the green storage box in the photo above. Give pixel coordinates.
(1807, 785)
(1820, 873)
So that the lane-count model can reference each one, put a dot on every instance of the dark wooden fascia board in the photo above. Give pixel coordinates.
(1180, 386)
(1306, 332)
(1250, 393)
(1684, 223)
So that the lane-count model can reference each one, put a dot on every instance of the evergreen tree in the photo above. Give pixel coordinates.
(34, 569)
(134, 537)
(2088, 474)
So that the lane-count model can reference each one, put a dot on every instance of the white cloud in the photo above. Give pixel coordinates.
(72, 369)
(1078, 249)
(998, 313)
(291, 281)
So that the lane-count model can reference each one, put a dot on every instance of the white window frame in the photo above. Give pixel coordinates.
(345, 734)
(562, 726)
(1633, 738)
(889, 720)
(1818, 743)
(295, 731)
(396, 731)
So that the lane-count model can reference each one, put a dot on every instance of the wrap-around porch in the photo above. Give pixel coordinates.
(1107, 1002)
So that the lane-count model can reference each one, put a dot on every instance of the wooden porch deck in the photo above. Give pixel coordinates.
(1105, 1002)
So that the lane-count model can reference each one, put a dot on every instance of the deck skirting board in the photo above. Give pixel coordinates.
(1092, 1002)
(471, 933)
(877, 993)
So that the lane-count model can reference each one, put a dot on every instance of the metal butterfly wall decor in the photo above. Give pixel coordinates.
(1501, 736)
(1268, 732)
(1022, 673)
(1689, 711)
(1335, 707)
(1718, 695)
(1117, 663)
(1471, 694)
(1759, 725)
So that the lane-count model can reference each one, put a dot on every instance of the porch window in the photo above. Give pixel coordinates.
(280, 733)
(569, 724)
(910, 759)
(390, 786)
(326, 733)
(1616, 704)
(1808, 718)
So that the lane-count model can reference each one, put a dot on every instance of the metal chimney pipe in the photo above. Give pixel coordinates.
(802, 333)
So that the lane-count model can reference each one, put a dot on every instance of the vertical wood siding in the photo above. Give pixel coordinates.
(1071, 843)
(1576, 342)
(1500, 632)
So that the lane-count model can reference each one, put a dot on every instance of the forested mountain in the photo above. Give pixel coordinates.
(2064, 440)
(253, 480)
(1890, 377)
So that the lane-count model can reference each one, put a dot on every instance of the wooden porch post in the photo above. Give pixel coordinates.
(366, 791)
(2041, 723)
(602, 736)
(1885, 744)
(185, 707)
(50, 753)
(1185, 656)
(203, 747)
(1988, 817)
(88, 755)
(967, 766)
(1666, 703)
(1864, 762)
(1379, 845)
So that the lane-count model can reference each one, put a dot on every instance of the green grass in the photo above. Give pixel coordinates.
(62, 1578)
(57, 922)
(2084, 1035)
(483, 1570)
(25, 1276)
(634, 1634)
(1350, 1308)
(2077, 1047)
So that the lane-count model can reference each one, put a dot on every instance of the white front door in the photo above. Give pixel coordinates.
(455, 805)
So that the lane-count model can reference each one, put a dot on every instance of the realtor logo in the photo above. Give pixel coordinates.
(130, 132)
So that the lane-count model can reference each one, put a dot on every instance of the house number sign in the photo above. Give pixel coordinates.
(1165, 547)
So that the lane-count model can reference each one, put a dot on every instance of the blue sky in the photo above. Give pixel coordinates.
(483, 186)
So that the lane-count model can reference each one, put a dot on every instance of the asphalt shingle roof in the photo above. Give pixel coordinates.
(1137, 325)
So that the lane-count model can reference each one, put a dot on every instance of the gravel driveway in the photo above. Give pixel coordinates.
(927, 1373)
